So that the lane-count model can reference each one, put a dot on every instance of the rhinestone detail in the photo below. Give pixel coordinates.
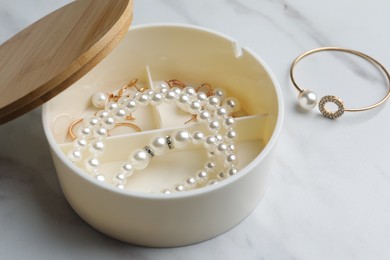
(330, 114)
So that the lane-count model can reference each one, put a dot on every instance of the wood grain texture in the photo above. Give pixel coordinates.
(53, 53)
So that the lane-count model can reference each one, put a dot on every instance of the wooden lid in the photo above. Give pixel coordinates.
(50, 55)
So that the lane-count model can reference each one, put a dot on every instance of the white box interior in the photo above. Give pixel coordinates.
(194, 57)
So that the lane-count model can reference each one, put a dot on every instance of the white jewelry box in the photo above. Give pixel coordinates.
(134, 215)
(139, 214)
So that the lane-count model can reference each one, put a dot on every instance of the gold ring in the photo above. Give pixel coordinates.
(308, 99)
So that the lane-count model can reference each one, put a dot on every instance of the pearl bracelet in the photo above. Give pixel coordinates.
(212, 109)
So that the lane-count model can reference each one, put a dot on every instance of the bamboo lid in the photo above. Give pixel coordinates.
(50, 55)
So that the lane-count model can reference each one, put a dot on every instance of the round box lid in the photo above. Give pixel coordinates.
(50, 55)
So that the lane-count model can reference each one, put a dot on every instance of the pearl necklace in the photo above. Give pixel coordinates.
(212, 109)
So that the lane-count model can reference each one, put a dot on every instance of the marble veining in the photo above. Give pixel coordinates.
(329, 195)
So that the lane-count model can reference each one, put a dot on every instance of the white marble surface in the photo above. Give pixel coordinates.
(330, 190)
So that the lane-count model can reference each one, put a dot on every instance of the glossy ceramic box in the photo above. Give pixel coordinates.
(140, 214)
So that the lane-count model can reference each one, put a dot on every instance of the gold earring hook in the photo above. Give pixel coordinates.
(129, 85)
(209, 92)
(176, 82)
(70, 129)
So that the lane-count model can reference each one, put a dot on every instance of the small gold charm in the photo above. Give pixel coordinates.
(330, 114)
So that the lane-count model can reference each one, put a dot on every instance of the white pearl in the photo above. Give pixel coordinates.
(143, 99)
(214, 125)
(127, 169)
(156, 99)
(232, 171)
(198, 137)
(202, 177)
(221, 148)
(307, 99)
(140, 159)
(111, 106)
(219, 137)
(229, 122)
(176, 90)
(194, 107)
(120, 178)
(231, 159)
(231, 104)
(210, 166)
(80, 143)
(201, 97)
(108, 123)
(149, 92)
(84, 131)
(213, 102)
(161, 87)
(189, 91)
(181, 139)
(220, 93)
(100, 132)
(221, 111)
(91, 121)
(231, 134)
(190, 183)
(131, 105)
(103, 114)
(203, 116)
(100, 177)
(179, 187)
(209, 142)
(159, 145)
(97, 147)
(99, 100)
(183, 101)
(75, 155)
(120, 186)
(120, 114)
(91, 165)
(166, 191)
(170, 96)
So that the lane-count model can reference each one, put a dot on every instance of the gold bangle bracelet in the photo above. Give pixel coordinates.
(308, 99)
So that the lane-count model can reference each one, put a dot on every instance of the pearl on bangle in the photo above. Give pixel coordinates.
(307, 99)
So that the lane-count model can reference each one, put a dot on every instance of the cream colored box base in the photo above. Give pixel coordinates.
(140, 214)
